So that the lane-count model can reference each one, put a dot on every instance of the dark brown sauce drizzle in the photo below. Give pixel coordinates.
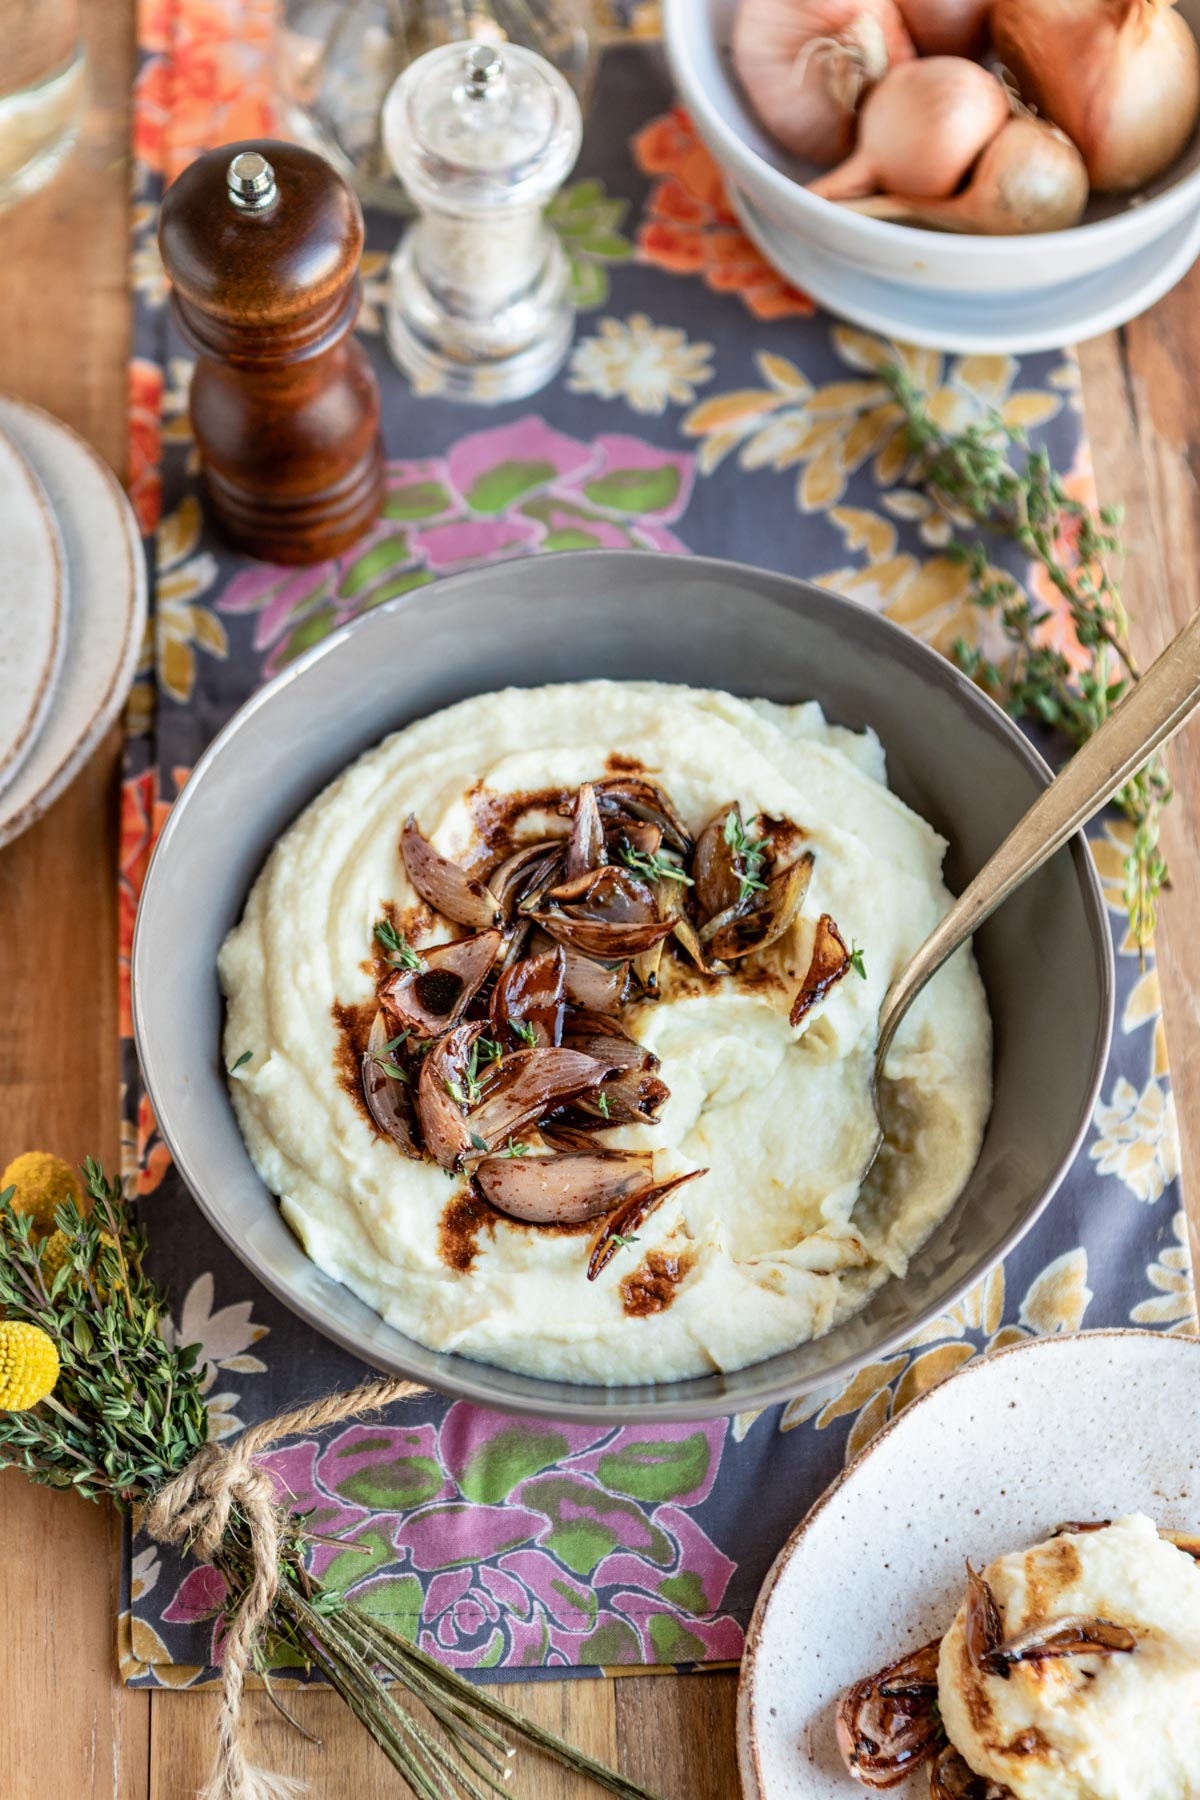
(353, 1025)
(654, 1283)
(496, 817)
(617, 763)
(464, 1216)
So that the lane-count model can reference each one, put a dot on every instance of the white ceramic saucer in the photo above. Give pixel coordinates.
(991, 1461)
(107, 579)
(978, 324)
(33, 608)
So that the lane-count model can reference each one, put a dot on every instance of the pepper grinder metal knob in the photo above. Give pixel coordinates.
(262, 243)
(482, 138)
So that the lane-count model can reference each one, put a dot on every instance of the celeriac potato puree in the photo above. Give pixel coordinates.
(768, 1246)
(1124, 1727)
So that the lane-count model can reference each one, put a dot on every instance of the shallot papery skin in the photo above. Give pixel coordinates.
(920, 131)
(1120, 77)
(805, 63)
(1029, 179)
(946, 27)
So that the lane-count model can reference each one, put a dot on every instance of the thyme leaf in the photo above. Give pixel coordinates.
(399, 953)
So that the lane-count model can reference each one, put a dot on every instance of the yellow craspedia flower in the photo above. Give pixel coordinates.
(28, 1365)
(56, 1250)
(42, 1183)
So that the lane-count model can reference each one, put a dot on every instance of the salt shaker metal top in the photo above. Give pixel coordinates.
(262, 244)
(482, 136)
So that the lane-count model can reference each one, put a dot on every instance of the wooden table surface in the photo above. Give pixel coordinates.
(68, 1730)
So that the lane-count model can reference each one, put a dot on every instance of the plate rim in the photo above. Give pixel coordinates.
(467, 1385)
(965, 341)
(109, 704)
(749, 1768)
(22, 746)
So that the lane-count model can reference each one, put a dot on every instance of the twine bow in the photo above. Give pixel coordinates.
(195, 1508)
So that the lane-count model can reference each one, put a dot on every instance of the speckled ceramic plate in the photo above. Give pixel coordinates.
(107, 580)
(33, 607)
(1057, 1428)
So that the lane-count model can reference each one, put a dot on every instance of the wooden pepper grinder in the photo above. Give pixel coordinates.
(262, 244)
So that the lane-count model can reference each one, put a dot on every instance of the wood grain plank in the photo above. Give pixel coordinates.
(677, 1734)
(1140, 387)
(347, 1762)
(64, 321)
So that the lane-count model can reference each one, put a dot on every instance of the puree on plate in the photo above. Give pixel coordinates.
(561, 1008)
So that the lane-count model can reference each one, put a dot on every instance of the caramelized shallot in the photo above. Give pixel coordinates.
(983, 1632)
(386, 1089)
(743, 931)
(530, 994)
(715, 865)
(447, 888)
(565, 1188)
(622, 1223)
(830, 960)
(887, 1725)
(443, 1124)
(1072, 1635)
(636, 798)
(585, 846)
(432, 1000)
(525, 875)
(527, 1086)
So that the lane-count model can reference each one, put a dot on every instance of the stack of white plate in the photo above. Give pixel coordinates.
(72, 608)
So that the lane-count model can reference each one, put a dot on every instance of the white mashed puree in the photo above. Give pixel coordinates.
(768, 1247)
(1123, 1727)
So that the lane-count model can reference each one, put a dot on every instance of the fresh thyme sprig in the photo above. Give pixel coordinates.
(525, 1031)
(752, 852)
(400, 953)
(858, 961)
(653, 865)
(971, 473)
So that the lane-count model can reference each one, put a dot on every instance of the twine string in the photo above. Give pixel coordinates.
(195, 1507)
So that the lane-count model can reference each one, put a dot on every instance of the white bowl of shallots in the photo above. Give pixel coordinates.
(975, 174)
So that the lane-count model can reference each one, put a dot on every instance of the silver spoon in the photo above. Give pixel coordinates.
(1152, 711)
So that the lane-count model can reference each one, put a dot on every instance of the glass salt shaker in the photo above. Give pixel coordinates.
(482, 137)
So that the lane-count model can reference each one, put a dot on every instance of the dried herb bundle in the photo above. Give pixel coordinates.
(126, 1417)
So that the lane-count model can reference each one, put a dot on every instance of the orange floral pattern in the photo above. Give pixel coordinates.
(207, 80)
(145, 442)
(690, 228)
(143, 815)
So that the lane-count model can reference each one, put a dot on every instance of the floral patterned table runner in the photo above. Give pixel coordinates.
(707, 407)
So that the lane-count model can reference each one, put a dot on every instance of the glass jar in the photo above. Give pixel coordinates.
(43, 91)
(338, 58)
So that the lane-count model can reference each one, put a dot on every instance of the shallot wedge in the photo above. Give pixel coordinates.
(772, 914)
(714, 866)
(638, 798)
(447, 888)
(387, 1090)
(598, 986)
(529, 1085)
(606, 1040)
(830, 960)
(563, 1189)
(610, 895)
(951, 1779)
(522, 878)
(1072, 1635)
(585, 928)
(888, 1725)
(984, 1632)
(441, 1116)
(432, 1000)
(585, 846)
(529, 998)
(622, 1223)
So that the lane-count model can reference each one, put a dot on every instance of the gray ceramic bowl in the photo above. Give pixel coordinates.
(1046, 957)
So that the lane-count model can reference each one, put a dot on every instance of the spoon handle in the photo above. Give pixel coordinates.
(1151, 712)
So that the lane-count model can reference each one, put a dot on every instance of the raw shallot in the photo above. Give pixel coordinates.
(805, 65)
(1030, 178)
(1121, 77)
(920, 131)
(947, 27)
